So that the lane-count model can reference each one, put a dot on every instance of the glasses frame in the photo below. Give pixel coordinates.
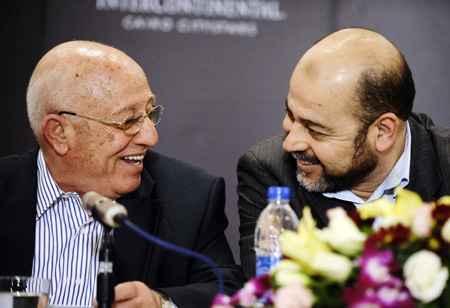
(141, 118)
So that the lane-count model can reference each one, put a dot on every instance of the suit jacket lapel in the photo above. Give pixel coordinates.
(321, 204)
(133, 252)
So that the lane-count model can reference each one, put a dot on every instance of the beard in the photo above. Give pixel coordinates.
(364, 161)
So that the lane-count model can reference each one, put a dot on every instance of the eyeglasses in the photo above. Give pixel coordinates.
(132, 124)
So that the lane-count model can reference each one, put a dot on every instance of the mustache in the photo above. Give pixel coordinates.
(305, 157)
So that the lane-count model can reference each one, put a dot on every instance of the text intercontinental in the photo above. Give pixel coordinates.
(231, 9)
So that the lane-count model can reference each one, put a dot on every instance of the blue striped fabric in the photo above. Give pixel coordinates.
(67, 243)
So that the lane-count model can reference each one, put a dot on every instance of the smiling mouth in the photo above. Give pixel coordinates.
(134, 160)
(307, 166)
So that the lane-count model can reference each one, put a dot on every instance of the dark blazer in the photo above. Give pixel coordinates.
(267, 164)
(176, 201)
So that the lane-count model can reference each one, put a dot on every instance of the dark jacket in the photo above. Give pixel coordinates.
(267, 164)
(176, 201)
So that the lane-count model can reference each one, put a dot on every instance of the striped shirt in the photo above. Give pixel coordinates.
(67, 243)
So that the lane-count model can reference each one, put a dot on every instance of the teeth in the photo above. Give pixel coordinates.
(138, 157)
(303, 162)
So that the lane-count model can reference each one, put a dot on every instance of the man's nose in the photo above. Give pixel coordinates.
(296, 137)
(148, 134)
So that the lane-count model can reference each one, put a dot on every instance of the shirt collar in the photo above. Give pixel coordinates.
(398, 177)
(48, 192)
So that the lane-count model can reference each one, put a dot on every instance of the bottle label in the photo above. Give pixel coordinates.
(265, 263)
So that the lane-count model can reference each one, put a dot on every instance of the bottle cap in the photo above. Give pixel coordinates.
(278, 192)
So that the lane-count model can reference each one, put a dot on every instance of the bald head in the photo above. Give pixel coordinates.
(364, 46)
(348, 52)
(365, 63)
(77, 75)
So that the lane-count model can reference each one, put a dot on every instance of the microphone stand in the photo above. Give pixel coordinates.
(105, 277)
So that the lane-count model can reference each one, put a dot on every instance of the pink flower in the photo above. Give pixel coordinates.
(256, 289)
(222, 301)
(244, 297)
(377, 286)
(293, 296)
(336, 212)
(384, 296)
(394, 297)
(377, 266)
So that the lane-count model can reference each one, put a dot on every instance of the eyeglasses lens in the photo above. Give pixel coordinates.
(155, 115)
(133, 123)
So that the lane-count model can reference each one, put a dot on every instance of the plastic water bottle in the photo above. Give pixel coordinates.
(274, 219)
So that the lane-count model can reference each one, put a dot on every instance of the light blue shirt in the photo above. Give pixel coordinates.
(67, 243)
(398, 177)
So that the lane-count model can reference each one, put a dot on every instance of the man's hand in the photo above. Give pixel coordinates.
(134, 294)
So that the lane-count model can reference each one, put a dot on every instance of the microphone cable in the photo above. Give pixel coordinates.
(173, 247)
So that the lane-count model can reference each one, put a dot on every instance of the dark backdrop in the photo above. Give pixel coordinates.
(221, 68)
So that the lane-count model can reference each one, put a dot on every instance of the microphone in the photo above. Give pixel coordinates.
(114, 214)
(104, 209)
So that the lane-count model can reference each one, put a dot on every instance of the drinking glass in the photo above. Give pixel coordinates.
(24, 292)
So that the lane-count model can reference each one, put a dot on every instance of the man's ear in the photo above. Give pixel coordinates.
(54, 132)
(387, 129)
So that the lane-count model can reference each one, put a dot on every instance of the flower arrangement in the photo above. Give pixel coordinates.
(381, 255)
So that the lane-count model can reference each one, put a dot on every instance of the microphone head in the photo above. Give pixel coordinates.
(89, 200)
(104, 209)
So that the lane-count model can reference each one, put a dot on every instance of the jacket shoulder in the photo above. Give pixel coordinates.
(18, 174)
(430, 147)
(268, 153)
(163, 167)
(439, 135)
(273, 144)
(7, 163)
(11, 163)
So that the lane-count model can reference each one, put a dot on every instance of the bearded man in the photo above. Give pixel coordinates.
(350, 136)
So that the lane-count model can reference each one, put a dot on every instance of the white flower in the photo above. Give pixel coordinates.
(445, 232)
(342, 234)
(424, 275)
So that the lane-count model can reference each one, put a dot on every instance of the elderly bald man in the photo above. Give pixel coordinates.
(94, 116)
(350, 136)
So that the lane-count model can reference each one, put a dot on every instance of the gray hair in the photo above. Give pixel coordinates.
(46, 94)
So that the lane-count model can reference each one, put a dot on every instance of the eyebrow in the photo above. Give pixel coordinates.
(125, 109)
(130, 107)
(307, 122)
(287, 107)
